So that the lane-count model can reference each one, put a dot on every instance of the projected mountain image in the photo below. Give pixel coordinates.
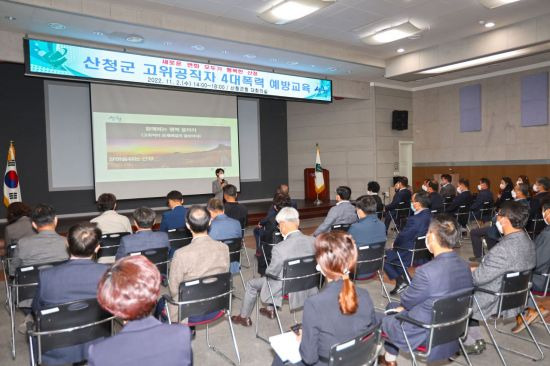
(167, 146)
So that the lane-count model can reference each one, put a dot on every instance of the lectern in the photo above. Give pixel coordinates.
(309, 185)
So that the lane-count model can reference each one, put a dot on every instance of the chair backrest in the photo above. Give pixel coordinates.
(179, 238)
(403, 210)
(157, 256)
(514, 290)
(534, 226)
(341, 227)
(421, 251)
(89, 319)
(235, 245)
(463, 214)
(450, 317)
(360, 350)
(300, 274)
(370, 258)
(26, 280)
(205, 295)
(108, 244)
(448, 199)
(379, 214)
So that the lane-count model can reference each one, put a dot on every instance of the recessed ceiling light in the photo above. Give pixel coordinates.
(475, 62)
(134, 38)
(292, 62)
(400, 50)
(489, 25)
(392, 34)
(10, 18)
(313, 66)
(290, 10)
(167, 43)
(332, 68)
(225, 52)
(274, 60)
(57, 26)
(198, 47)
(98, 33)
(491, 4)
(250, 55)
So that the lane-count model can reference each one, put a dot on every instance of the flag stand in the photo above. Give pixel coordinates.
(317, 202)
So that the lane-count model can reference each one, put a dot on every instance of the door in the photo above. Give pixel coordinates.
(405, 159)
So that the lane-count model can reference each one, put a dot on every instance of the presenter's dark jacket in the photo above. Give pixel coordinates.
(436, 202)
(368, 230)
(237, 211)
(430, 282)
(73, 280)
(144, 342)
(403, 195)
(140, 241)
(483, 196)
(448, 190)
(319, 333)
(173, 219)
(464, 198)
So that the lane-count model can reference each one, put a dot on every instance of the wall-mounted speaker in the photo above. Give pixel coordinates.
(400, 120)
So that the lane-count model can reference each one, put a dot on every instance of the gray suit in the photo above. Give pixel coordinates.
(18, 229)
(448, 191)
(542, 243)
(514, 252)
(295, 245)
(343, 213)
(217, 190)
(44, 247)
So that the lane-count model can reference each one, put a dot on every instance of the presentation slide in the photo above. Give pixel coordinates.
(139, 155)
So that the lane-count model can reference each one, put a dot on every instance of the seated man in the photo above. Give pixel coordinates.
(402, 195)
(417, 225)
(110, 221)
(373, 189)
(144, 238)
(484, 195)
(234, 209)
(447, 189)
(294, 245)
(541, 187)
(342, 213)
(175, 218)
(73, 280)
(515, 252)
(436, 200)
(223, 227)
(369, 229)
(203, 257)
(464, 196)
(44, 247)
(431, 282)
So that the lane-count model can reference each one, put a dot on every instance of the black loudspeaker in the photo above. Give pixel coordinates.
(400, 120)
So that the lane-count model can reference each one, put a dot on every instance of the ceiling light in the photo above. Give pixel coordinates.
(167, 43)
(290, 10)
(134, 38)
(400, 50)
(491, 4)
(489, 25)
(10, 18)
(57, 26)
(273, 60)
(392, 34)
(474, 62)
(292, 62)
(225, 52)
(332, 68)
(198, 47)
(98, 33)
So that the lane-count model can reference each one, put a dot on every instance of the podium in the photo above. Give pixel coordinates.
(309, 185)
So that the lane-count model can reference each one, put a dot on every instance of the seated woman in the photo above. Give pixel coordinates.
(129, 290)
(346, 311)
(19, 225)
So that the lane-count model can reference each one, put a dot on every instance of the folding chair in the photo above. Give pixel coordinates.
(157, 256)
(204, 296)
(109, 243)
(361, 350)
(399, 218)
(69, 324)
(450, 316)
(446, 202)
(419, 251)
(534, 226)
(513, 294)
(245, 251)
(370, 259)
(299, 274)
(264, 258)
(462, 216)
(235, 247)
(486, 212)
(341, 227)
(179, 238)
(379, 214)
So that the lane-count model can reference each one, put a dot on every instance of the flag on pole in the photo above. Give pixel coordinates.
(12, 190)
(319, 180)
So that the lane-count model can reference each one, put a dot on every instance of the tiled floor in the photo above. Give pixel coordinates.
(255, 352)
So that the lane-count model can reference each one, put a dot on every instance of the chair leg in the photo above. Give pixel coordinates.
(464, 352)
(490, 333)
(219, 352)
(543, 323)
(411, 351)
(403, 267)
(246, 255)
(384, 289)
(242, 278)
(12, 324)
(533, 339)
(274, 306)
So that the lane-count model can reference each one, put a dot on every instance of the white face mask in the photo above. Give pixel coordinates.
(412, 207)
(545, 219)
(535, 188)
(499, 227)
(479, 187)
(424, 188)
(459, 190)
(318, 268)
(519, 181)
(221, 176)
(514, 195)
(369, 193)
(502, 186)
(428, 245)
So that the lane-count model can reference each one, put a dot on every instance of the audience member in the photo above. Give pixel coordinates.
(373, 189)
(73, 280)
(447, 189)
(347, 311)
(234, 209)
(294, 245)
(284, 190)
(218, 184)
(417, 225)
(19, 224)
(144, 238)
(484, 196)
(425, 183)
(430, 283)
(223, 227)
(402, 196)
(110, 221)
(44, 247)
(514, 252)
(130, 291)
(521, 194)
(436, 200)
(369, 229)
(542, 190)
(175, 217)
(525, 179)
(342, 213)
(203, 257)
(506, 188)
(463, 198)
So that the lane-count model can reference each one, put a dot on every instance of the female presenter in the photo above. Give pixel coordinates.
(218, 184)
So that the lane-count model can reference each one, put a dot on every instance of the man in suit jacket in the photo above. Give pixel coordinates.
(110, 221)
(175, 218)
(144, 238)
(294, 245)
(203, 257)
(431, 282)
(417, 225)
(369, 229)
(436, 200)
(232, 208)
(484, 195)
(73, 280)
(45, 247)
(402, 197)
(447, 189)
(464, 197)
(342, 213)
(223, 227)
(515, 252)
(542, 190)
